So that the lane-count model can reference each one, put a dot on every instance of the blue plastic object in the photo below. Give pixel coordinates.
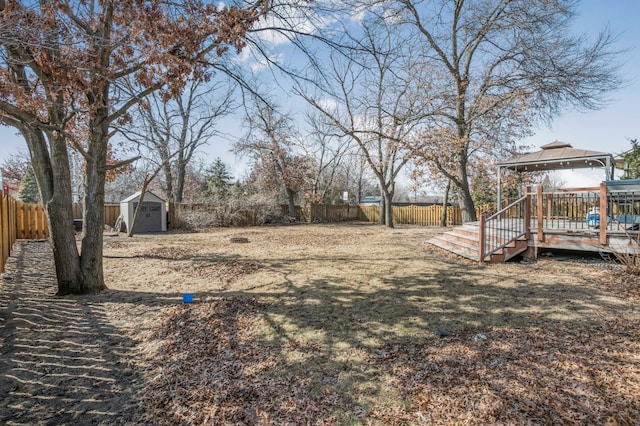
(593, 220)
(187, 298)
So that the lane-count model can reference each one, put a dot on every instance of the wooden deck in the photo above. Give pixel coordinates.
(577, 235)
(568, 220)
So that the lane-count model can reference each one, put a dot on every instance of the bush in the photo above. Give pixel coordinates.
(251, 211)
(630, 261)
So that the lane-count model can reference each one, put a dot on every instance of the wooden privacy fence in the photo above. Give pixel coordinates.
(7, 227)
(111, 213)
(19, 220)
(204, 215)
(420, 215)
(327, 213)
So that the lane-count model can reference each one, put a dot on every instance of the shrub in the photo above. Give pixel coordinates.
(253, 210)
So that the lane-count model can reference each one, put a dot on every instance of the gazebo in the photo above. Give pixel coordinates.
(558, 156)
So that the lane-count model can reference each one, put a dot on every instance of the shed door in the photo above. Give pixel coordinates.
(150, 217)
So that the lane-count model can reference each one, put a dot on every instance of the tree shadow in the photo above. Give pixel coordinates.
(347, 338)
(359, 351)
(62, 360)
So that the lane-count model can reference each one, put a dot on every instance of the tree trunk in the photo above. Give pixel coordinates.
(93, 213)
(388, 209)
(136, 213)
(467, 207)
(170, 193)
(445, 203)
(382, 211)
(54, 182)
(291, 195)
(181, 171)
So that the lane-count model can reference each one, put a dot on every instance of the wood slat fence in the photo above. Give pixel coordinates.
(213, 215)
(19, 220)
(111, 213)
(420, 215)
(27, 221)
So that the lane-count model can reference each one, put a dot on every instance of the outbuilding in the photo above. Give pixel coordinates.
(153, 213)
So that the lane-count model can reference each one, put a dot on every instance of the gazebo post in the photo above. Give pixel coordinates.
(498, 207)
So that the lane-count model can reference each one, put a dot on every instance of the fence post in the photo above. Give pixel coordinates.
(527, 213)
(540, 213)
(604, 214)
(3, 232)
(481, 243)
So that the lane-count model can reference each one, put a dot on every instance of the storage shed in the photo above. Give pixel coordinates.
(153, 213)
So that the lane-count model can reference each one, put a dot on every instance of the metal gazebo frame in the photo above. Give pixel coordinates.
(558, 156)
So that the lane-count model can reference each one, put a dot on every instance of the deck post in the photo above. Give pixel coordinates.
(604, 214)
(527, 213)
(481, 236)
(540, 213)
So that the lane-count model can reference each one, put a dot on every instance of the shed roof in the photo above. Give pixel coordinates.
(559, 155)
(148, 196)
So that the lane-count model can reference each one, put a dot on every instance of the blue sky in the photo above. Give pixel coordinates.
(608, 129)
(605, 130)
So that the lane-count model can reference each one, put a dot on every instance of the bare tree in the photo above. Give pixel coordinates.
(501, 63)
(372, 94)
(63, 69)
(169, 133)
(326, 150)
(13, 169)
(270, 141)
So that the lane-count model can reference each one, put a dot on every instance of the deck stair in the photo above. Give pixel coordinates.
(462, 240)
(465, 240)
(498, 236)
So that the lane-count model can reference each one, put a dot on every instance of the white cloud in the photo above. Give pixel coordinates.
(261, 63)
(328, 104)
(580, 178)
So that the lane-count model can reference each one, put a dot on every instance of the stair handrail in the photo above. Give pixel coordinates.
(485, 235)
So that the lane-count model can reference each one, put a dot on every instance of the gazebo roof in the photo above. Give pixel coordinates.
(559, 155)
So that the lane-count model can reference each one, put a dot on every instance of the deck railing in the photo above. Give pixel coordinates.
(603, 210)
(503, 227)
(572, 209)
(623, 210)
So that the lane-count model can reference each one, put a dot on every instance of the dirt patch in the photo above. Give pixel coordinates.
(334, 324)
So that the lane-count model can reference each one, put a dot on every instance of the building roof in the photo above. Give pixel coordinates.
(559, 155)
(148, 196)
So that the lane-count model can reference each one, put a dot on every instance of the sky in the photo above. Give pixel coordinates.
(606, 130)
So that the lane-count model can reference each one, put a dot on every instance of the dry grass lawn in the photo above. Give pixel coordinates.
(337, 324)
(342, 324)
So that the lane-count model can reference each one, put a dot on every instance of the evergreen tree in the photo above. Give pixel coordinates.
(217, 181)
(632, 161)
(29, 192)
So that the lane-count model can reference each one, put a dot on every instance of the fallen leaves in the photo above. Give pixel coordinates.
(210, 366)
(166, 253)
(225, 271)
(560, 376)
(341, 331)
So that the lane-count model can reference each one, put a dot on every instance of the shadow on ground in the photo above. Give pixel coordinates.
(61, 361)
